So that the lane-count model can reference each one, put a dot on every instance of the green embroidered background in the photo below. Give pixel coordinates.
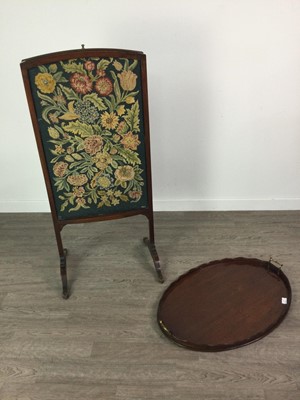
(90, 116)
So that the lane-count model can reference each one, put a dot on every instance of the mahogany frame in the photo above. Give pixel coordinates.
(59, 224)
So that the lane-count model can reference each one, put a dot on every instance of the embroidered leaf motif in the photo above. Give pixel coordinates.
(132, 117)
(73, 67)
(42, 68)
(133, 65)
(46, 110)
(78, 128)
(58, 76)
(46, 98)
(96, 100)
(103, 64)
(116, 87)
(130, 156)
(70, 94)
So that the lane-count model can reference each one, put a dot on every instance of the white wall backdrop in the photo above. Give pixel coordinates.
(224, 93)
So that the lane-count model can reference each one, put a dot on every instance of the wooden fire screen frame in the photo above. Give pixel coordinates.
(89, 110)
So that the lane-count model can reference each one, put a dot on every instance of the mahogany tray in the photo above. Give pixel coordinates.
(224, 304)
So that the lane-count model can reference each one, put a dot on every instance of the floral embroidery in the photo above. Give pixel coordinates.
(109, 121)
(81, 83)
(45, 82)
(104, 86)
(127, 80)
(130, 141)
(91, 110)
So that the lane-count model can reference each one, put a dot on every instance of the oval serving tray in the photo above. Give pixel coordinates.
(224, 304)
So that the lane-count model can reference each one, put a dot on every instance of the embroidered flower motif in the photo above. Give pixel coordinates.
(102, 160)
(78, 191)
(89, 65)
(109, 120)
(93, 144)
(59, 99)
(122, 128)
(101, 72)
(60, 168)
(53, 118)
(86, 111)
(117, 65)
(104, 86)
(81, 83)
(59, 149)
(135, 194)
(130, 141)
(104, 182)
(129, 100)
(77, 180)
(127, 80)
(124, 173)
(53, 68)
(121, 110)
(45, 82)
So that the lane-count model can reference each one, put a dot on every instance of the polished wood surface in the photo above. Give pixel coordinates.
(104, 342)
(224, 304)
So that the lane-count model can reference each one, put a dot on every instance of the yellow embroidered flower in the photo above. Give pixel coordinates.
(130, 141)
(117, 65)
(45, 82)
(125, 173)
(102, 160)
(53, 68)
(127, 80)
(77, 180)
(59, 149)
(121, 110)
(60, 168)
(53, 118)
(53, 133)
(78, 191)
(129, 100)
(104, 182)
(109, 121)
(115, 202)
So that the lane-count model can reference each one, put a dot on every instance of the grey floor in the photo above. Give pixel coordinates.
(103, 343)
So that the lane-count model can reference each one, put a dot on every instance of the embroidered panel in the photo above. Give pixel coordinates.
(91, 124)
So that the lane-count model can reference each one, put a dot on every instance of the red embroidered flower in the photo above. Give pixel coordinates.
(81, 83)
(89, 65)
(104, 86)
(101, 72)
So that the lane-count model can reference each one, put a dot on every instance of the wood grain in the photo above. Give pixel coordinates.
(104, 343)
